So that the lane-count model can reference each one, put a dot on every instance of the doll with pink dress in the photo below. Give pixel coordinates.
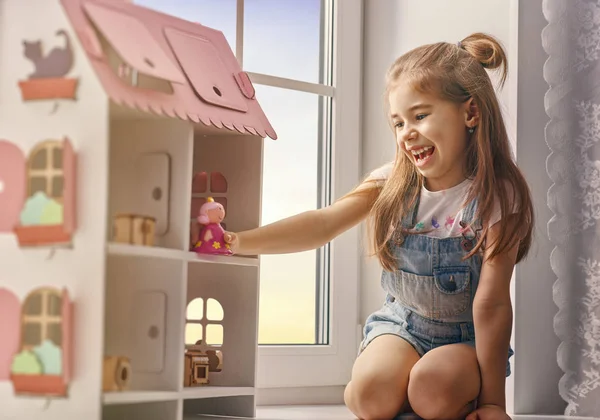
(211, 238)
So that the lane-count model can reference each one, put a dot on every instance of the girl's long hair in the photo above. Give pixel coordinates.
(458, 73)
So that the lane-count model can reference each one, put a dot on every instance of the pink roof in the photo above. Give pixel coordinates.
(208, 83)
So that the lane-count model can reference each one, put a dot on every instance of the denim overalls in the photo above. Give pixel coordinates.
(429, 298)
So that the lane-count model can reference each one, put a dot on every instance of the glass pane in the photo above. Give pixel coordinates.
(290, 186)
(57, 154)
(39, 160)
(216, 14)
(214, 310)
(193, 334)
(55, 333)
(38, 183)
(214, 335)
(283, 38)
(33, 305)
(32, 334)
(58, 186)
(54, 305)
(195, 310)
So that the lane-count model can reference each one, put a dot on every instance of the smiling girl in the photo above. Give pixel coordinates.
(450, 217)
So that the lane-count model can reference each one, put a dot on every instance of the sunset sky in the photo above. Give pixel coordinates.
(281, 38)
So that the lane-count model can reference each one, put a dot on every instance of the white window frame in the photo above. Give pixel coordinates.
(302, 366)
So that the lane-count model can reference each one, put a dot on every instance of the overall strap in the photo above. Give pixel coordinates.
(470, 212)
(410, 219)
(471, 225)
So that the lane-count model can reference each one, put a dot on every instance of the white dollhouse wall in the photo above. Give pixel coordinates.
(143, 313)
(147, 155)
(153, 291)
(79, 269)
(210, 281)
(239, 159)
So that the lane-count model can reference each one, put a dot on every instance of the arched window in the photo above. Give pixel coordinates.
(203, 326)
(49, 212)
(41, 318)
(45, 170)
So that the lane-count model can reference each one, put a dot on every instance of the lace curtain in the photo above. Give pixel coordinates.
(572, 41)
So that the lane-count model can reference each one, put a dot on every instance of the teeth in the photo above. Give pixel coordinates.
(419, 151)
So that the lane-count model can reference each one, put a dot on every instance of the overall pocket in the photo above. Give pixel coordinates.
(413, 291)
(453, 290)
(444, 295)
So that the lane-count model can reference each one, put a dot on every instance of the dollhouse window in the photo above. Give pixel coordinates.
(200, 319)
(201, 188)
(41, 318)
(45, 170)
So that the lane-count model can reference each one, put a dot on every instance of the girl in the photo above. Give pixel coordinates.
(449, 217)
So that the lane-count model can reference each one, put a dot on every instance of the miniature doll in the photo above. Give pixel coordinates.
(210, 240)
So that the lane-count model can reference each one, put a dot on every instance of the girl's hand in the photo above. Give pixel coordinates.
(233, 240)
(489, 412)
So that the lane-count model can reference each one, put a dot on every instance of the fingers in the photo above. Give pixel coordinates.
(229, 237)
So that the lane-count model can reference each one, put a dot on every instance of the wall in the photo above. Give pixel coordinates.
(537, 371)
(80, 269)
(391, 28)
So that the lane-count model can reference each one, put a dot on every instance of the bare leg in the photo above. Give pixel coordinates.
(378, 389)
(445, 382)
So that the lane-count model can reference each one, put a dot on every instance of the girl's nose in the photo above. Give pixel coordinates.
(409, 135)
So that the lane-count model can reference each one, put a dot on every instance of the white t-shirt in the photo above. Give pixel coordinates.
(440, 212)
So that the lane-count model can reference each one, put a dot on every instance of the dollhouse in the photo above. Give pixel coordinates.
(117, 123)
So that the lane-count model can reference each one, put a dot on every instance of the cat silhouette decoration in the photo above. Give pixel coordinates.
(49, 78)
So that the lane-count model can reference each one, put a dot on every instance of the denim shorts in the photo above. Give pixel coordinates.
(422, 333)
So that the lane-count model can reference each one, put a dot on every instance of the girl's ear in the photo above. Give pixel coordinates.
(471, 113)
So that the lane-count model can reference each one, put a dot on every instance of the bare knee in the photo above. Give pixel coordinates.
(377, 390)
(370, 399)
(432, 395)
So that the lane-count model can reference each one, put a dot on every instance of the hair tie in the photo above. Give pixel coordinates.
(459, 44)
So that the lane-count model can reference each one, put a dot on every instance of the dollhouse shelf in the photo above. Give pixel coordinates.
(128, 397)
(134, 397)
(174, 254)
(215, 391)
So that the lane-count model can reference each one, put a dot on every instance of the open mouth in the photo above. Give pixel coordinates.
(423, 154)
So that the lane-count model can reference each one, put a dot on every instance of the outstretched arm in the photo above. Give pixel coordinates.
(308, 230)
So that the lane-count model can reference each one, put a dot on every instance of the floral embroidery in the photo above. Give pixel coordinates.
(419, 226)
(434, 222)
(449, 222)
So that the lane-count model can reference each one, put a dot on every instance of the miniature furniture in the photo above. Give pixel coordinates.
(134, 229)
(116, 374)
(196, 368)
(199, 362)
(110, 109)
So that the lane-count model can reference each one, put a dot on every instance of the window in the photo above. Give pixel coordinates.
(45, 170)
(204, 328)
(304, 59)
(42, 317)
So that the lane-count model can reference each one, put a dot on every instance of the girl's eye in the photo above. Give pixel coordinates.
(421, 116)
(398, 124)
